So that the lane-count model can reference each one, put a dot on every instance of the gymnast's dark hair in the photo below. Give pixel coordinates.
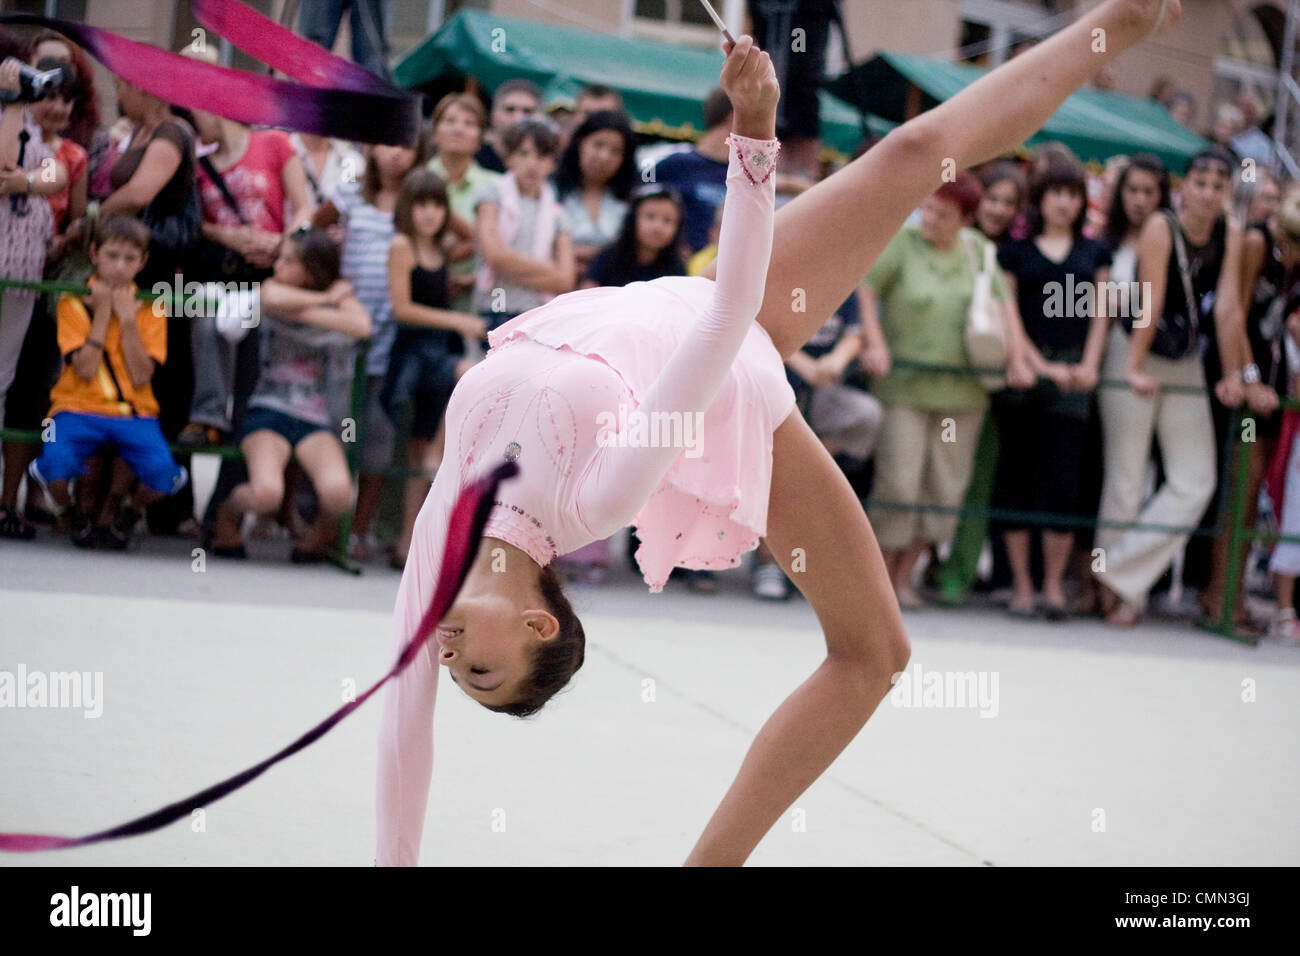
(569, 175)
(558, 659)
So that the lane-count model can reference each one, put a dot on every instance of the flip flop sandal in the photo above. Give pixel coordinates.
(1056, 612)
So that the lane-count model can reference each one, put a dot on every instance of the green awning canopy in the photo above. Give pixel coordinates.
(1095, 124)
(663, 84)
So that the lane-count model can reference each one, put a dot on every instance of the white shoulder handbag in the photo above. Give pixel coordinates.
(986, 330)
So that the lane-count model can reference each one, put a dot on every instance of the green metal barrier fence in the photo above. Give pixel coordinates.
(1232, 487)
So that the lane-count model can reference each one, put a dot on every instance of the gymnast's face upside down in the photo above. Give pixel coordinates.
(511, 639)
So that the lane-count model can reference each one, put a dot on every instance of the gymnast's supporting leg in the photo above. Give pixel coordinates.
(829, 236)
(841, 572)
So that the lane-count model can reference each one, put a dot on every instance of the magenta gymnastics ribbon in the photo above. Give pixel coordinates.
(333, 98)
(465, 530)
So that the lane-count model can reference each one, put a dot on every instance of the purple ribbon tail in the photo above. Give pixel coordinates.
(372, 111)
(469, 517)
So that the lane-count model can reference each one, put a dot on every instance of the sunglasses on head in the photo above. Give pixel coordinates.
(1209, 164)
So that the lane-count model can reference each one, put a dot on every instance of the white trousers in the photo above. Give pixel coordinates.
(1135, 559)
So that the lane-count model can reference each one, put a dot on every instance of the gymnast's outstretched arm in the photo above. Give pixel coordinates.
(623, 478)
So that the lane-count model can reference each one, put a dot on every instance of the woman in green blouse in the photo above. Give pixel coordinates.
(919, 294)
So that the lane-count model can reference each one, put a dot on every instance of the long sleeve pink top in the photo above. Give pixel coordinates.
(553, 375)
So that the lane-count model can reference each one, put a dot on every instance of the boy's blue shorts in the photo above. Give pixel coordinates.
(76, 436)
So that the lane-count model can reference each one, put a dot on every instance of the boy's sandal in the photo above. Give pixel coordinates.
(38, 515)
(13, 525)
(81, 530)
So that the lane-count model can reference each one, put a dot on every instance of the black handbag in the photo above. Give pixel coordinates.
(173, 234)
(1178, 333)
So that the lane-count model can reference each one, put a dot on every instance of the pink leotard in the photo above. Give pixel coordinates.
(549, 394)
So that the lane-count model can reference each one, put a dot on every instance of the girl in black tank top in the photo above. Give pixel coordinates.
(429, 287)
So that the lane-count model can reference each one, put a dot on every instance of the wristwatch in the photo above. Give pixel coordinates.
(1250, 374)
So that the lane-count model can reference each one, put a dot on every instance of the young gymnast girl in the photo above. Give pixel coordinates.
(556, 377)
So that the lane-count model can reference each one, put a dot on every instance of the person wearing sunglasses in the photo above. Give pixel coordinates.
(1188, 335)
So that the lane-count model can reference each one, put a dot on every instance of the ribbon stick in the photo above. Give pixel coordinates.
(335, 98)
(464, 532)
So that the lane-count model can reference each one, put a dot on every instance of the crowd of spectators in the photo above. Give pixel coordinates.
(393, 263)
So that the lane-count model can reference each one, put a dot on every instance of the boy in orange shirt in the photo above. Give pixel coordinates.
(110, 344)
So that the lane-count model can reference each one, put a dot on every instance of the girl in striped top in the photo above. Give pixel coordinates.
(364, 210)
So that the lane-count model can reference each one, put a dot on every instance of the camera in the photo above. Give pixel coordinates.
(33, 84)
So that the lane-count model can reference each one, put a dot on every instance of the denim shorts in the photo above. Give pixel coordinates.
(292, 430)
(497, 319)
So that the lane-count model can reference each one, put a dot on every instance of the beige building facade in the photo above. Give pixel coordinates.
(1222, 46)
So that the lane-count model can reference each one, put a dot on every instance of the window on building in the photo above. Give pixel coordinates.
(673, 11)
(1247, 61)
(683, 21)
(974, 44)
(74, 10)
(992, 31)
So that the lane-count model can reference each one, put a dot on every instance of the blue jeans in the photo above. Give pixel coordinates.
(319, 21)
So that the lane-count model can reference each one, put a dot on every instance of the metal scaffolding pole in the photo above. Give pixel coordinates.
(1288, 92)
